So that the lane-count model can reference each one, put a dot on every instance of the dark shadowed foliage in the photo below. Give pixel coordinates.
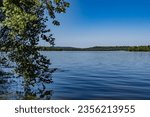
(23, 24)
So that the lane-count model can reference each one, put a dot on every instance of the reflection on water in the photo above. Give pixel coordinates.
(14, 88)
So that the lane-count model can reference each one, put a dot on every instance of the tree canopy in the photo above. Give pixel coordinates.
(22, 26)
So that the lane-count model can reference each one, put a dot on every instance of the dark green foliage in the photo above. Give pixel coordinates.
(140, 48)
(23, 24)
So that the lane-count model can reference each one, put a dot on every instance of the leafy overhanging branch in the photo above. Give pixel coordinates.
(23, 24)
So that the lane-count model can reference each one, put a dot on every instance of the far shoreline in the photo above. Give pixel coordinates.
(95, 48)
(99, 48)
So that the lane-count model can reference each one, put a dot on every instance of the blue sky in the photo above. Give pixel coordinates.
(104, 23)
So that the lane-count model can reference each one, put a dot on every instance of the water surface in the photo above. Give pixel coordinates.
(101, 75)
(96, 75)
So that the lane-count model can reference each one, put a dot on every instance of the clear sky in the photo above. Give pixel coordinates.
(104, 23)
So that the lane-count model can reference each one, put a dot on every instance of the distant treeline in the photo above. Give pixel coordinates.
(96, 48)
(140, 48)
